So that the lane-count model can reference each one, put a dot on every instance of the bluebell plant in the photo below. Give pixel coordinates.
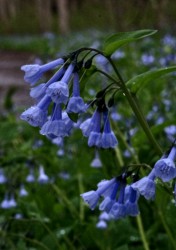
(60, 104)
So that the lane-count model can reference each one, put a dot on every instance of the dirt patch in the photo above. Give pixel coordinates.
(11, 77)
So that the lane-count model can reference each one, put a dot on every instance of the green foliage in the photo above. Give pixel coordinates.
(139, 81)
(115, 41)
(53, 214)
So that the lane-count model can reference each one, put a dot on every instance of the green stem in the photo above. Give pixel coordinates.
(81, 190)
(167, 228)
(137, 111)
(142, 233)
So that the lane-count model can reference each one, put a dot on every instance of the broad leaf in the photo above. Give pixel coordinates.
(139, 81)
(115, 41)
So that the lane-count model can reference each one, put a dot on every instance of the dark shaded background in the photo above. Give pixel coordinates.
(63, 16)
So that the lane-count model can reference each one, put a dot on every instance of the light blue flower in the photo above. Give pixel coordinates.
(76, 103)
(131, 202)
(34, 72)
(92, 197)
(101, 224)
(43, 178)
(118, 209)
(37, 115)
(95, 135)
(165, 167)
(59, 91)
(146, 186)
(23, 192)
(109, 139)
(3, 179)
(55, 127)
(96, 162)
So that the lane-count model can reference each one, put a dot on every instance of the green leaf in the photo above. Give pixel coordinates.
(73, 116)
(115, 41)
(139, 81)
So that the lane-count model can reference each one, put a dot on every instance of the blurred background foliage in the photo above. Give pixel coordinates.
(63, 16)
(52, 215)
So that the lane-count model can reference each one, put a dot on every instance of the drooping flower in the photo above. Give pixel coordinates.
(109, 139)
(92, 197)
(165, 167)
(55, 126)
(131, 201)
(30, 177)
(23, 192)
(96, 162)
(146, 186)
(76, 103)
(59, 91)
(3, 179)
(95, 134)
(39, 91)
(43, 178)
(118, 209)
(34, 72)
(37, 115)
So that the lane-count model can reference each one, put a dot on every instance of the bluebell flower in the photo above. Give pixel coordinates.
(12, 202)
(39, 91)
(55, 127)
(59, 91)
(109, 139)
(34, 72)
(96, 162)
(87, 126)
(104, 216)
(76, 103)
(165, 167)
(101, 224)
(30, 177)
(3, 179)
(23, 192)
(118, 209)
(95, 135)
(110, 198)
(37, 115)
(92, 197)
(5, 202)
(146, 186)
(69, 124)
(131, 201)
(43, 178)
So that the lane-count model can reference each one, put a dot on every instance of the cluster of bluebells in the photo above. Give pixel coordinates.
(59, 98)
(119, 199)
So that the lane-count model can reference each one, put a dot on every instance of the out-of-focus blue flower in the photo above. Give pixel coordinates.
(147, 59)
(5, 202)
(12, 202)
(3, 179)
(34, 72)
(101, 224)
(43, 178)
(146, 186)
(76, 103)
(59, 91)
(37, 115)
(30, 177)
(165, 167)
(23, 192)
(96, 162)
